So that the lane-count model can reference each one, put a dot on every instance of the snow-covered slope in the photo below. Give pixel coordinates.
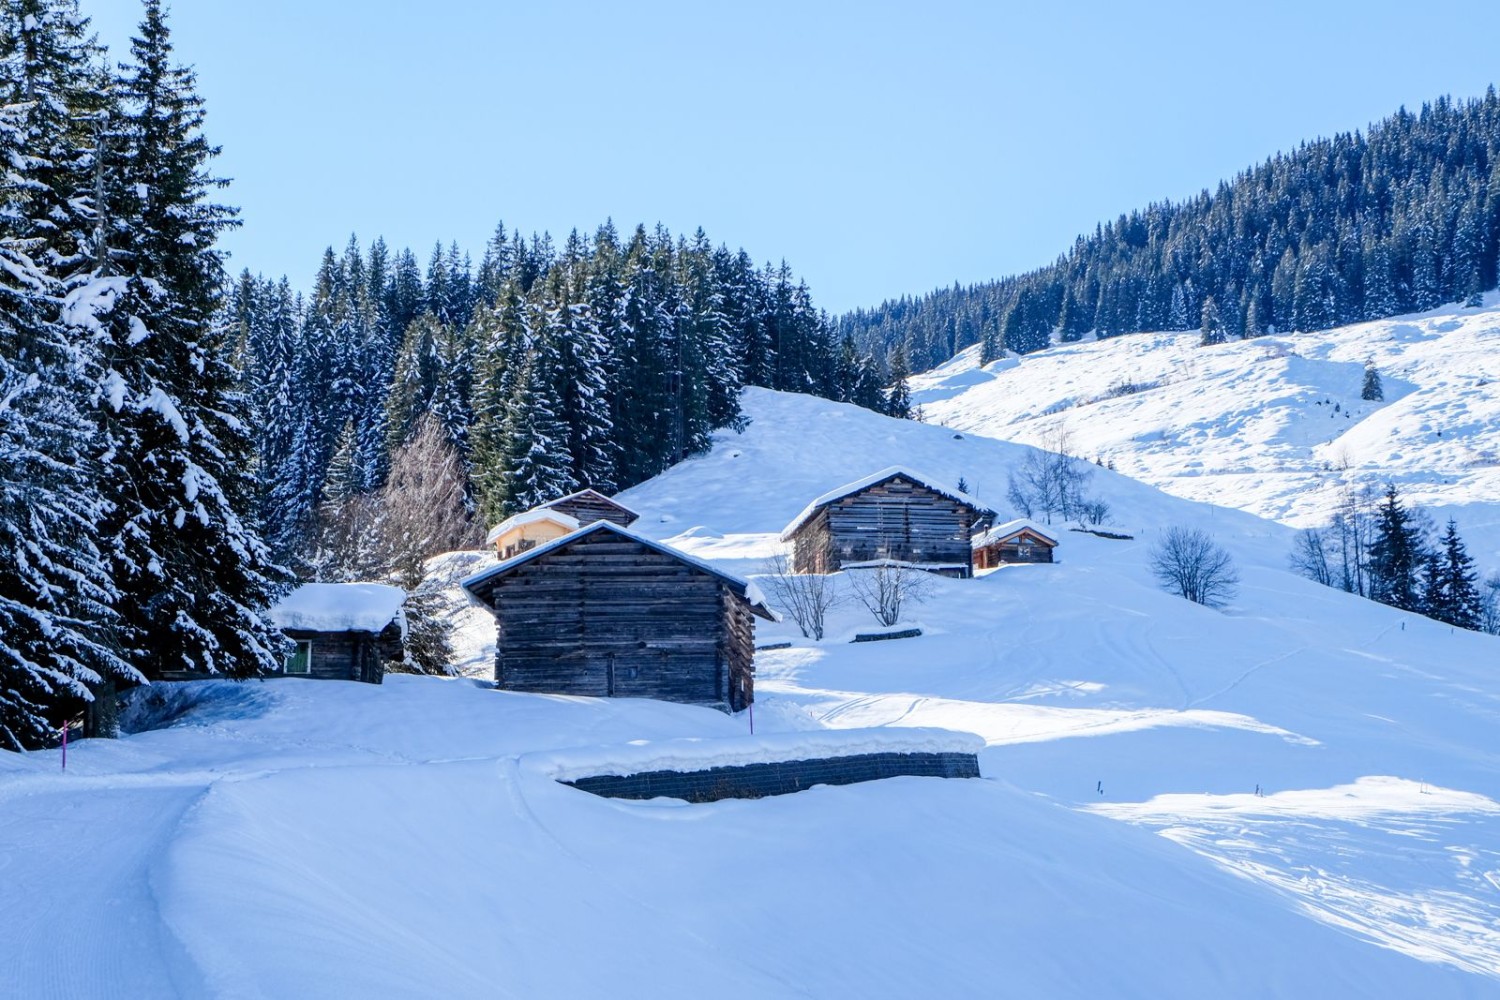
(1272, 425)
(297, 838)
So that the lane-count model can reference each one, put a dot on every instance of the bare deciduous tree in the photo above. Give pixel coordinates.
(1052, 482)
(807, 597)
(1310, 557)
(1489, 606)
(422, 504)
(886, 586)
(1191, 564)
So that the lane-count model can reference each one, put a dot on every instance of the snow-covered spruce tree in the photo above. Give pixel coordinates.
(536, 457)
(57, 644)
(1371, 389)
(898, 397)
(581, 378)
(192, 573)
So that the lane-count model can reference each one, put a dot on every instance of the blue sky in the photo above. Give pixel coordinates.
(880, 148)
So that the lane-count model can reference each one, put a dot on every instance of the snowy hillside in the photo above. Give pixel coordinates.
(1271, 425)
(296, 838)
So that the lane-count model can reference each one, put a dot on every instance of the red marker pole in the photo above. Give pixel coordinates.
(65, 747)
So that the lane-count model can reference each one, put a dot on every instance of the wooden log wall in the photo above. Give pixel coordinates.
(897, 519)
(609, 617)
(587, 510)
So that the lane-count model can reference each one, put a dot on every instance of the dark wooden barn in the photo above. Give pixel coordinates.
(607, 613)
(342, 631)
(1011, 543)
(893, 514)
(588, 506)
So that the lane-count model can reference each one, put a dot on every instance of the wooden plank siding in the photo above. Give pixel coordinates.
(349, 656)
(894, 519)
(608, 616)
(589, 506)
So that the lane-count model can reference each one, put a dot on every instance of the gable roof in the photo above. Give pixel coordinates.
(741, 588)
(1001, 532)
(565, 521)
(339, 607)
(875, 479)
(588, 493)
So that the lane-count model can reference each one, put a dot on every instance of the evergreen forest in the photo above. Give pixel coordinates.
(1399, 218)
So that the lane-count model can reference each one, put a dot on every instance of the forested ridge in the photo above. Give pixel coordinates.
(1399, 218)
(599, 365)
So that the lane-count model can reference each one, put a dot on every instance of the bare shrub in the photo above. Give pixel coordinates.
(1189, 563)
(807, 597)
(886, 586)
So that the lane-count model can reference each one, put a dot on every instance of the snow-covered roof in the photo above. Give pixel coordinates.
(1000, 532)
(339, 607)
(744, 588)
(872, 480)
(565, 521)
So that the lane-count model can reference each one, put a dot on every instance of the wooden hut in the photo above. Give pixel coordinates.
(607, 613)
(1017, 541)
(342, 631)
(525, 531)
(893, 514)
(588, 506)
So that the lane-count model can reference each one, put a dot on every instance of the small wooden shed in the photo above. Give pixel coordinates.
(342, 631)
(588, 506)
(893, 514)
(606, 612)
(1017, 541)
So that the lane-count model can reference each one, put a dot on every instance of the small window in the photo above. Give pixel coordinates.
(300, 662)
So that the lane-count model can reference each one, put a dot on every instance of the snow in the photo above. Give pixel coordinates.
(776, 748)
(138, 332)
(114, 390)
(84, 305)
(159, 401)
(870, 480)
(413, 839)
(1273, 425)
(536, 516)
(339, 607)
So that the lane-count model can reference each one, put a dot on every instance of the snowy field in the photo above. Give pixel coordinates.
(1297, 796)
(1272, 425)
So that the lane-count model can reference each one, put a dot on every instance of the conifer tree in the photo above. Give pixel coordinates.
(1395, 555)
(1452, 593)
(898, 396)
(192, 574)
(56, 596)
(535, 439)
(1371, 388)
(1211, 327)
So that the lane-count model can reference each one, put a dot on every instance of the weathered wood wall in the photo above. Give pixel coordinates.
(587, 510)
(610, 617)
(896, 519)
(350, 656)
(1010, 553)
